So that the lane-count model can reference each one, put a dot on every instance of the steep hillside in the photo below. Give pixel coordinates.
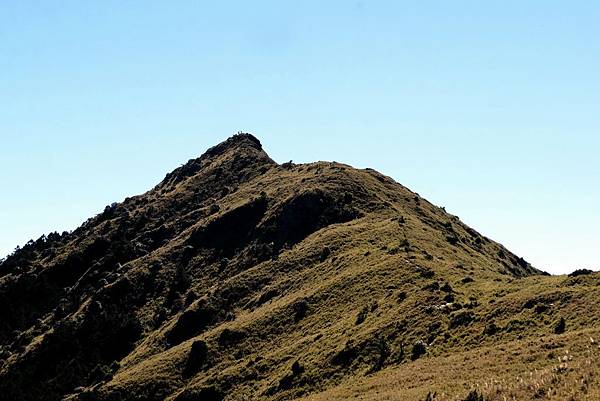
(237, 278)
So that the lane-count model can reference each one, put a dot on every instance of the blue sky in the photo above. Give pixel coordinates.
(491, 109)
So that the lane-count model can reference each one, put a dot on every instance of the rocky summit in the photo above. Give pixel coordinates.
(238, 278)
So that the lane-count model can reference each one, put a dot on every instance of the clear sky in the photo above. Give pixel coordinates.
(491, 109)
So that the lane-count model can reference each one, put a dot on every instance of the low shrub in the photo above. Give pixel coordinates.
(491, 329)
(581, 272)
(463, 318)
(362, 315)
(419, 349)
(300, 310)
(474, 396)
(560, 326)
(229, 337)
(197, 357)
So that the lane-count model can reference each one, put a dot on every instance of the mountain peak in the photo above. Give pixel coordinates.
(235, 142)
(240, 151)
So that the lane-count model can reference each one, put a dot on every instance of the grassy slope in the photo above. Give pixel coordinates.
(532, 363)
(373, 260)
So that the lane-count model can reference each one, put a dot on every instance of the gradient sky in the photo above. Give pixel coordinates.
(491, 109)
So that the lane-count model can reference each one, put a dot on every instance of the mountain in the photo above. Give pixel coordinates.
(237, 278)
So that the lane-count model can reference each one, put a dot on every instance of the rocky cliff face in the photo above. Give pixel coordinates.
(238, 278)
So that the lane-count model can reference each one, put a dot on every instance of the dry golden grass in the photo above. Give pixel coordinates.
(564, 367)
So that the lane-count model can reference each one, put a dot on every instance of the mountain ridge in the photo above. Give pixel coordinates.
(236, 277)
